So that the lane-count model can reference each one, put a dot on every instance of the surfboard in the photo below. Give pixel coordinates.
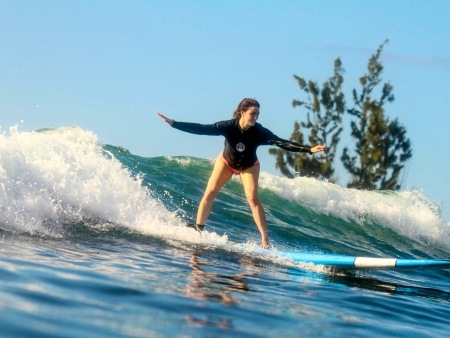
(364, 262)
(354, 262)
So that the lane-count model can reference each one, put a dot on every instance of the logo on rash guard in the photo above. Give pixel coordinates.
(240, 147)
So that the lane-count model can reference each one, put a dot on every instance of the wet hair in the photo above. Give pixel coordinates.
(244, 105)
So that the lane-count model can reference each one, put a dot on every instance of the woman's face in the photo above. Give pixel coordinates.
(249, 117)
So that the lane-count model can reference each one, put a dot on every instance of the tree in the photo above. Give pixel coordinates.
(324, 110)
(381, 146)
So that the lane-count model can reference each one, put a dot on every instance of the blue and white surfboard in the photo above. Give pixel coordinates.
(364, 262)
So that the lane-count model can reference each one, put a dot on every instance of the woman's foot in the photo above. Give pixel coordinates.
(198, 227)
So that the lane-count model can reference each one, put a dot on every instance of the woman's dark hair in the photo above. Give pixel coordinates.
(244, 105)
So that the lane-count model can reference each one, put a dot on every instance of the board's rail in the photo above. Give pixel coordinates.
(364, 262)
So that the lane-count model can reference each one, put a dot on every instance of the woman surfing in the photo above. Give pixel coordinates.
(243, 135)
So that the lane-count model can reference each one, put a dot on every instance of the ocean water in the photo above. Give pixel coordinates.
(92, 245)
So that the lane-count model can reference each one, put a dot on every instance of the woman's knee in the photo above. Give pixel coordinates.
(210, 195)
(253, 200)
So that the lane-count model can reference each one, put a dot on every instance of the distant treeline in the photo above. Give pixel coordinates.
(381, 147)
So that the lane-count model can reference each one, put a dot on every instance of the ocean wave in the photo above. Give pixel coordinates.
(51, 178)
(409, 213)
(62, 175)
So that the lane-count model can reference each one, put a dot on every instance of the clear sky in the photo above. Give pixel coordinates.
(108, 66)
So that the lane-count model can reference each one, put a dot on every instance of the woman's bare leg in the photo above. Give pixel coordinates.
(219, 176)
(250, 179)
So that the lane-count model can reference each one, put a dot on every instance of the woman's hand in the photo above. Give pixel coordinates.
(166, 119)
(318, 148)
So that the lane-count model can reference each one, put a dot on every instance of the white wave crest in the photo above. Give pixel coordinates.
(56, 176)
(409, 213)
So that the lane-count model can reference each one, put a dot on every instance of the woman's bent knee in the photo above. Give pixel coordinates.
(210, 195)
(253, 201)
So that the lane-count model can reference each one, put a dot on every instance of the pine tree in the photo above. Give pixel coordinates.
(324, 110)
(381, 146)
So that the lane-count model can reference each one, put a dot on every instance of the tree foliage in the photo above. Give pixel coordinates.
(324, 110)
(381, 145)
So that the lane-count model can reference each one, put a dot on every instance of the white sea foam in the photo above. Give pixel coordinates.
(57, 176)
(409, 213)
(185, 161)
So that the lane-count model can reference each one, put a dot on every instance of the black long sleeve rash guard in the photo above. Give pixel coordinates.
(240, 145)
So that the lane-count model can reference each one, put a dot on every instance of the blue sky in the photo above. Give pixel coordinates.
(108, 66)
